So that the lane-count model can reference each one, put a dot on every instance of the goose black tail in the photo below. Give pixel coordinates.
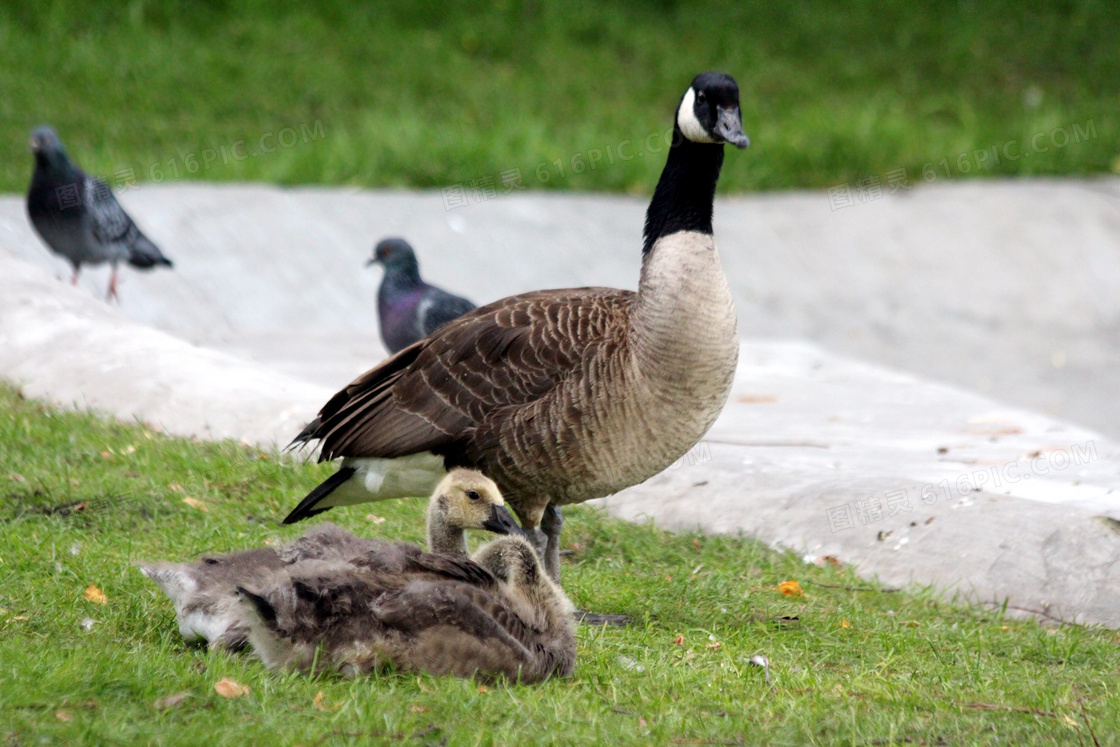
(307, 506)
(265, 609)
(306, 434)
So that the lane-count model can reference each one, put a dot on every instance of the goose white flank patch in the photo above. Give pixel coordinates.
(561, 396)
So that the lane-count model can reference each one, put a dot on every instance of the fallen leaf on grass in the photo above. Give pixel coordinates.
(228, 688)
(417, 708)
(483, 689)
(696, 543)
(317, 702)
(175, 487)
(845, 624)
(375, 518)
(828, 560)
(19, 617)
(62, 715)
(95, 595)
(790, 588)
(17, 477)
(195, 503)
(679, 640)
(715, 645)
(171, 701)
(641, 722)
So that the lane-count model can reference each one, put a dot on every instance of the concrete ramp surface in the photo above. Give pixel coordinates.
(910, 375)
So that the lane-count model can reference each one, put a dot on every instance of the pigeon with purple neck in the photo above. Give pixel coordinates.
(408, 308)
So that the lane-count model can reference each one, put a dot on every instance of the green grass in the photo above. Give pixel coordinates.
(420, 95)
(85, 499)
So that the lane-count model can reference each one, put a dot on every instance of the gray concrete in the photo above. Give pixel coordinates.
(1012, 289)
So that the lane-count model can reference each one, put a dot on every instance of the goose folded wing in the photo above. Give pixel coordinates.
(508, 354)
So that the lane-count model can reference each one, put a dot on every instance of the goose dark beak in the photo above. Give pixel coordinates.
(729, 126)
(500, 522)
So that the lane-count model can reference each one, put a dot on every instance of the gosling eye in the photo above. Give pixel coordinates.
(473, 495)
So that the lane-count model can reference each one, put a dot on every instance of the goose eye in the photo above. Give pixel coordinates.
(700, 97)
(473, 495)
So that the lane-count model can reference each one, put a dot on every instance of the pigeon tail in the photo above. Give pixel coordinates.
(143, 254)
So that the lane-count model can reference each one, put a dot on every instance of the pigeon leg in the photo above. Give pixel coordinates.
(112, 286)
(74, 277)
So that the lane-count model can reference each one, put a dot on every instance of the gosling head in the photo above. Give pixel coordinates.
(466, 499)
(709, 111)
(514, 562)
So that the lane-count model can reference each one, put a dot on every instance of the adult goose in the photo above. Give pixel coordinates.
(495, 615)
(205, 593)
(560, 396)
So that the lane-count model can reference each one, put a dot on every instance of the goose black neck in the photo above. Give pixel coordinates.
(685, 193)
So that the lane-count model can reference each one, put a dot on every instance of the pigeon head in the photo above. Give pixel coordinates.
(395, 255)
(48, 149)
(709, 111)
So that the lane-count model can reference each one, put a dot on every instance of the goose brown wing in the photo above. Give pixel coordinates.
(510, 353)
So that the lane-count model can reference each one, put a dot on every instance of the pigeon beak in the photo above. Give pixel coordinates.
(33, 145)
(500, 522)
(371, 261)
(729, 126)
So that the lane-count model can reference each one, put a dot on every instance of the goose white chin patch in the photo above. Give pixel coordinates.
(687, 121)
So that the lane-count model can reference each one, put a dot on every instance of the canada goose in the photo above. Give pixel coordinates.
(204, 593)
(560, 396)
(409, 309)
(78, 217)
(497, 614)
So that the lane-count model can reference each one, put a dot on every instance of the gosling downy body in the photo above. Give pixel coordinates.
(561, 396)
(204, 593)
(495, 615)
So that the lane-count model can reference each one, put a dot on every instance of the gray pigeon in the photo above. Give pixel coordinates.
(409, 309)
(78, 217)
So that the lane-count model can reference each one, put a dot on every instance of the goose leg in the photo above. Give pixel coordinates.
(551, 524)
(549, 551)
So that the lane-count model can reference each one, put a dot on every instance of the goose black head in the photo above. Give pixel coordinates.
(394, 254)
(709, 111)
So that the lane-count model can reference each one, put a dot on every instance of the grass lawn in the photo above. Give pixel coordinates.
(851, 663)
(569, 93)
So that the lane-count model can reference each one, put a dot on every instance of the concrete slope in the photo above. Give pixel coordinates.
(61, 345)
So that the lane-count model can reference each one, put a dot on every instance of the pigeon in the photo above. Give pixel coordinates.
(409, 309)
(77, 216)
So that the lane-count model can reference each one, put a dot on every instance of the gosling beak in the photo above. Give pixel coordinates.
(500, 522)
(729, 126)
